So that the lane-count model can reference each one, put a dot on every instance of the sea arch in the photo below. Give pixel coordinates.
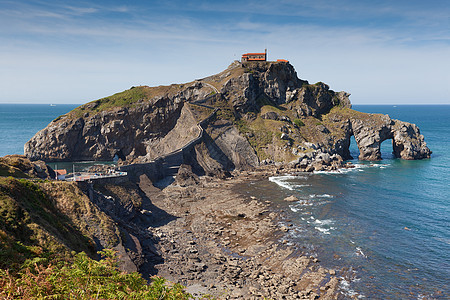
(372, 131)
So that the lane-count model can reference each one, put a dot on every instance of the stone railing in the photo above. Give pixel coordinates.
(168, 164)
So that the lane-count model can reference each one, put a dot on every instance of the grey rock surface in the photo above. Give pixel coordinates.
(155, 127)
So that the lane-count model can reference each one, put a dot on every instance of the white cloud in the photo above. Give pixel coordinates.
(77, 54)
(77, 10)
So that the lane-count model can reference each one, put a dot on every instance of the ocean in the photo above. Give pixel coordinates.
(19, 122)
(384, 226)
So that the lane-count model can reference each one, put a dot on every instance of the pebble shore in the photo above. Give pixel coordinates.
(229, 245)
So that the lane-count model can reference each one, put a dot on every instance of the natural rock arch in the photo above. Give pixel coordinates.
(370, 132)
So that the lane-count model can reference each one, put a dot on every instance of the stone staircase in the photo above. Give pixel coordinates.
(168, 164)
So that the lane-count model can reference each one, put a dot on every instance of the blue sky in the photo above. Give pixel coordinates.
(386, 52)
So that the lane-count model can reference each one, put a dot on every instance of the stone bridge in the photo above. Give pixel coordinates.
(169, 164)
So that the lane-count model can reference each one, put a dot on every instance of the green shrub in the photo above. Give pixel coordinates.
(298, 122)
(84, 278)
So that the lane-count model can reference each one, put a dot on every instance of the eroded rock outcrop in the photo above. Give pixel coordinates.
(265, 113)
(407, 141)
(317, 99)
(125, 132)
(370, 130)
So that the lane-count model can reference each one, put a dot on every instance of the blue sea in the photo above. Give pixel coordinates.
(384, 226)
(19, 122)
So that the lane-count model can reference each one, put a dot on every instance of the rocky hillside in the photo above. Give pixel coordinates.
(263, 113)
(40, 216)
(198, 232)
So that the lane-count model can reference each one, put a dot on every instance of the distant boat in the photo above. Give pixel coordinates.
(395, 106)
(52, 104)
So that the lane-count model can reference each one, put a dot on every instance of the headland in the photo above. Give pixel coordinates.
(253, 119)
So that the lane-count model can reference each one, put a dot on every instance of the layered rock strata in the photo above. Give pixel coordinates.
(265, 114)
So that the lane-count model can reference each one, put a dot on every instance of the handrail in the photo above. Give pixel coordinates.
(90, 177)
(84, 177)
(193, 141)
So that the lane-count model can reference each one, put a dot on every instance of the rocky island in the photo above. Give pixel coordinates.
(250, 121)
(249, 114)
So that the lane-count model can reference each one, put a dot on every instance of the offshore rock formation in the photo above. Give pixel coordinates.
(249, 114)
(407, 141)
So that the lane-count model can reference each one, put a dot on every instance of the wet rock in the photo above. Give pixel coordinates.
(291, 198)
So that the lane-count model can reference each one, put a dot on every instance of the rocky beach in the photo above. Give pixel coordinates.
(231, 245)
(201, 231)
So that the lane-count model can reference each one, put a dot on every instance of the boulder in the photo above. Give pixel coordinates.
(185, 176)
(271, 115)
(291, 198)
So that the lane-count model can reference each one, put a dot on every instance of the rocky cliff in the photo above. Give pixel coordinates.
(262, 113)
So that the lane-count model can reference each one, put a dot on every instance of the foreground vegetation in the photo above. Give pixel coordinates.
(47, 247)
(83, 278)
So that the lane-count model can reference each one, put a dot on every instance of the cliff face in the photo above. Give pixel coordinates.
(128, 131)
(263, 112)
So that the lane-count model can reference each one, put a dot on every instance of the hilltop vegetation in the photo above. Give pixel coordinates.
(127, 98)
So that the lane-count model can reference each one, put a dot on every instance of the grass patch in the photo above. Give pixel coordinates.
(7, 170)
(298, 123)
(259, 133)
(263, 100)
(127, 98)
(270, 107)
(31, 217)
(225, 112)
(200, 112)
(15, 166)
(122, 99)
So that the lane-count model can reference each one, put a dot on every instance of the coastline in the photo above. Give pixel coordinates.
(420, 173)
(230, 245)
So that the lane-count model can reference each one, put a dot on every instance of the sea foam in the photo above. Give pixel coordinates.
(283, 181)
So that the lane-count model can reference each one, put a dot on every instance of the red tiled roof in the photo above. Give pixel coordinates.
(247, 54)
(61, 172)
